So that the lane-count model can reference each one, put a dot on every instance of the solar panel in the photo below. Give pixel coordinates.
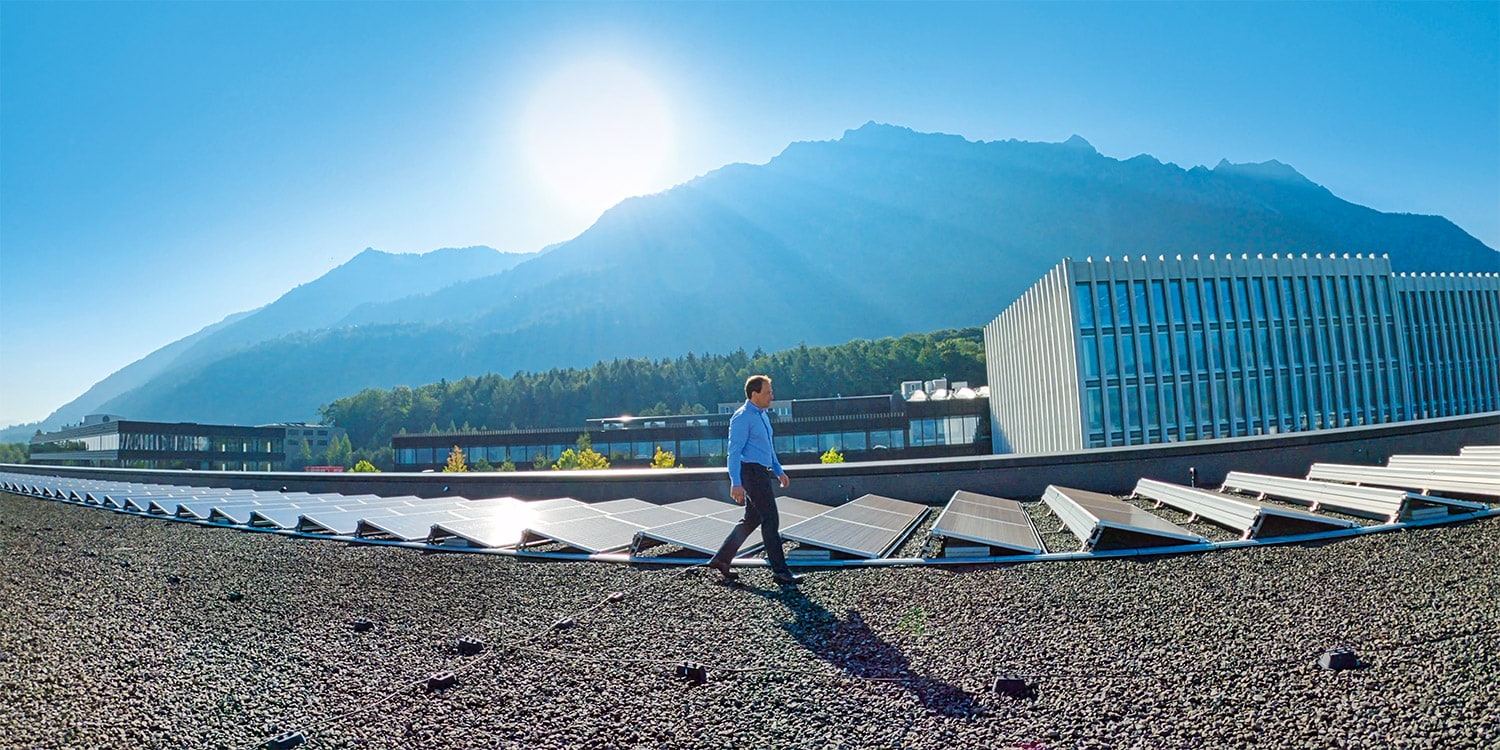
(498, 530)
(656, 515)
(870, 526)
(1001, 525)
(701, 534)
(703, 506)
(624, 505)
(601, 533)
(1381, 503)
(343, 519)
(417, 526)
(1252, 520)
(1103, 523)
(1424, 481)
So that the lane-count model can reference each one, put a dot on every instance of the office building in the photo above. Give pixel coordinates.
(1136, 351)
(106, 440)
(925, 419)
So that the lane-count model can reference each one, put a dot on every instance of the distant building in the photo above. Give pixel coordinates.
(316, 437)
(925, 422)
(107, 440)
(1130, 352)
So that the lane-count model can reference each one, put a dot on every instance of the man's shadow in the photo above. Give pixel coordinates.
(852, 646)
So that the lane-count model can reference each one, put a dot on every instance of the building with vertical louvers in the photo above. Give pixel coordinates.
(1138, 351)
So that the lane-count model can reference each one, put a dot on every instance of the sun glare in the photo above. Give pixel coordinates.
(596, 133)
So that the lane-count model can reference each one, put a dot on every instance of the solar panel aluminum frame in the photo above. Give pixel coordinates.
(1251, 520)
(790, 532)
(1422, 482)
(1091, 529)
(1381, 503)
(994, 546)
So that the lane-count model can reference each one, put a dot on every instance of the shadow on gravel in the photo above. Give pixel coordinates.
(851, 645)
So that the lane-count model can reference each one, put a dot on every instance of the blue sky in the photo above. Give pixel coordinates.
(163, 165)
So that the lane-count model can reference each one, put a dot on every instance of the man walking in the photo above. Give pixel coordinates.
(752, 464)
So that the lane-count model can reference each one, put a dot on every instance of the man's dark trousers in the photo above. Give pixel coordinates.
(760, 510)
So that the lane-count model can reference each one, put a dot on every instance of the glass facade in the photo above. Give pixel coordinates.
(933, 428)
(153, 445)
(1171, 350)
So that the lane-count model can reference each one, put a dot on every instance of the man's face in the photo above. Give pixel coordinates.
(763, 398)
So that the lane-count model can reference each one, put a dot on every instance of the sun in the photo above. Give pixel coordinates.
(597, 132)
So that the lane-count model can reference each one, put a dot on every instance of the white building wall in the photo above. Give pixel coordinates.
(1032, 370)
(1452, 326)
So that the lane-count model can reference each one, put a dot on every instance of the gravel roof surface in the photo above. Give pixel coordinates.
(119, 631)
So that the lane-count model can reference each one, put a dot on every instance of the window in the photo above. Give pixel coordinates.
(1210, 303)
(854, 441)
(1122, 302)
(1138, 297)
(1127, 353)
(1258, 302)
(1159, 303)
(1111, 365)
(1194, 307)
(830, 441)
(1095, 409)
(1105, 315)
(806, 443)
(1179, 315)
(1085, 304)
(1088, 347)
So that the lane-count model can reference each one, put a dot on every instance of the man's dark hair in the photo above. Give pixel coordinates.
(754, 383)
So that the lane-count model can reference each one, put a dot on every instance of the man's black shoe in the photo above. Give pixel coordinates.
(787, 580)
(723, 568)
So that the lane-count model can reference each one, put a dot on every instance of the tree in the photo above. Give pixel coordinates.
(663, 459)
(483, 464)
(541, 462)
(582, 457)
(340, 452)
(509, 465)
(456, 460)
(365, 466)
(832, 457)
(304, 457)
(14, 453)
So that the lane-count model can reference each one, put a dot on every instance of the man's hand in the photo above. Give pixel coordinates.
(786, 481)
(738, 492)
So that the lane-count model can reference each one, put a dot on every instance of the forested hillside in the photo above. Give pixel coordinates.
(691, 383)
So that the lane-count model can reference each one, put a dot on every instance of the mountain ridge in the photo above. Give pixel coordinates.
(884, 231)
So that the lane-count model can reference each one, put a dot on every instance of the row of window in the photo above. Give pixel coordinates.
(960, 430)
(1125, 304)
(1257, 404)
(1132, 353)
(136, 441)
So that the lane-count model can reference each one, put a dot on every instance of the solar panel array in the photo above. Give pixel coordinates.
(1407, 488)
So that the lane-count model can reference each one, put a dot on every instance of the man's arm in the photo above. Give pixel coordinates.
(739, 432)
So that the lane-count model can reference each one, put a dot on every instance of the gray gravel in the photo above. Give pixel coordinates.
(100, 648)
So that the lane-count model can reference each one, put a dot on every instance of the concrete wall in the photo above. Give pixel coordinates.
(1112, 470)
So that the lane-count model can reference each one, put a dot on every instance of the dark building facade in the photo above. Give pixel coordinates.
(927, 421)
(108, 441)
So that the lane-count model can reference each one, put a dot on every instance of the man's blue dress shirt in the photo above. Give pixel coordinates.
(750, 439)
